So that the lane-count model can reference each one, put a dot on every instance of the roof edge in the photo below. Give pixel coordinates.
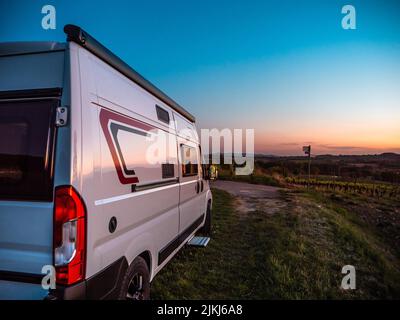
(82, 38)
(29, 47)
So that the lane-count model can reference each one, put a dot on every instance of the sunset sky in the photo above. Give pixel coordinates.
(286, 69)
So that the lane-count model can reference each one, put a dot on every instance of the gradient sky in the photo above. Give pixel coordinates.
(285, 68)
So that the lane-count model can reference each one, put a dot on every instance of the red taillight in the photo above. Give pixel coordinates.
(69, 236)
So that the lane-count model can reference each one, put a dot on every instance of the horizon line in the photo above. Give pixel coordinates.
(315, 155)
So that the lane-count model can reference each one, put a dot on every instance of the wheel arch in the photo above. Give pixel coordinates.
(142, 246)
(209, 198)
(146, 255)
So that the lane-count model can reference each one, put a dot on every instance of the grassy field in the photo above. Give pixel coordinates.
(296, 253)
(258, 177)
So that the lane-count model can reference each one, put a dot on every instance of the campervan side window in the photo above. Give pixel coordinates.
(162, 114)
(26, 148)
(189, 161)
(132, 145)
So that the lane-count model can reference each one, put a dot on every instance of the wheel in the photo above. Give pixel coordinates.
(206, 229)
(136, 282)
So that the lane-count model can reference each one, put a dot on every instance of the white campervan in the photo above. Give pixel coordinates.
(100, 173)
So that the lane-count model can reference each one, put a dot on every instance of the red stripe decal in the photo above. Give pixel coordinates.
(105, 117)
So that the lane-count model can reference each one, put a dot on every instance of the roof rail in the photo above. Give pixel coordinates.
(81, 37)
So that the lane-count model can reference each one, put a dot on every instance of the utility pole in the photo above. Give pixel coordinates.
(307, 150)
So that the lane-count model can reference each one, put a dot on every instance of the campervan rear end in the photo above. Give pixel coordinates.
(101, 173)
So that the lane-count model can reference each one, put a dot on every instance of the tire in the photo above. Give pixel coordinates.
(136, 282)
(206, 229)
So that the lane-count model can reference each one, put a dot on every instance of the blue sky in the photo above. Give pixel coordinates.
(285, 68)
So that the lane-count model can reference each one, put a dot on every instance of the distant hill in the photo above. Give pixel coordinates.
(383, 156)
(372, 167)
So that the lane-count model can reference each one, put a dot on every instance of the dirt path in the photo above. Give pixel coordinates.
(251, 197)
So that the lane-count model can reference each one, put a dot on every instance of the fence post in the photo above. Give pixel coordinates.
(307, 150)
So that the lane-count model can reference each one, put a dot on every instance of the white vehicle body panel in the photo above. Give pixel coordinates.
(149, 219)
(131, 154)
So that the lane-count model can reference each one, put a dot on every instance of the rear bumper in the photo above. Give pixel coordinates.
(13, 290)
(103, 285)
(73, 292)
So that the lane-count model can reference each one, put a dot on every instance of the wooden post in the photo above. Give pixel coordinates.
(309, 166)
(307, 150)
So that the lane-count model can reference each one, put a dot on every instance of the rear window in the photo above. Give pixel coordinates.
(26, 149)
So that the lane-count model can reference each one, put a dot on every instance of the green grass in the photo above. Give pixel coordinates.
(364, 246)
(203, 273)
(253, 178)
(296, 253)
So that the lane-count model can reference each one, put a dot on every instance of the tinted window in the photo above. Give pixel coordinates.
(27, 132)
(167, 170)
(162, 114)
(189, 161)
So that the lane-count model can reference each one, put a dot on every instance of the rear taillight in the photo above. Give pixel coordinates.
(69, 236)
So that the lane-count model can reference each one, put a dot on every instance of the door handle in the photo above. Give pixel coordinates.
(197, 187)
